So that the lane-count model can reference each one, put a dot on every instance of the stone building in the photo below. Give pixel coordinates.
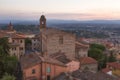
(35, 43)
(17, 45)
(81, 50)
(10, 29)
(52, 40)
(16, 41)
(72, 64)
(88, 64)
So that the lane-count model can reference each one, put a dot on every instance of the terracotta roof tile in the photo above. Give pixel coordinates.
(32, 59)
(60, 57)
(17, 36)
(87, 60)
(29, 60)
(86, 75)
(114, 65)
(105, 70)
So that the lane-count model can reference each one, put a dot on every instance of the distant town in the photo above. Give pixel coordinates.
(59, 51)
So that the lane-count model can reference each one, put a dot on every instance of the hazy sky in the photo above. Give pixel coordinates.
(59, 9)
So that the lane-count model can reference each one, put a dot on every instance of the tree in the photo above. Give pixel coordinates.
(1, 51)
(4, 46)
(27, 43)
(10, 64)
(96, 52)
(7, 63)
(8, 77)
(98, 46)
(1, 69)
(111, 58)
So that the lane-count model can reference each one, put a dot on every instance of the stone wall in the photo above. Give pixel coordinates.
(89, 67)
(68, 45)
(18, 48)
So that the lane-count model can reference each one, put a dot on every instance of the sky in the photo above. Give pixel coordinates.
(60, 9)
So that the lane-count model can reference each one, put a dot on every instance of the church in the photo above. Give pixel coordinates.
(52, 40)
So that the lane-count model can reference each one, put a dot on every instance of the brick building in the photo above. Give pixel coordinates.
(36, 67)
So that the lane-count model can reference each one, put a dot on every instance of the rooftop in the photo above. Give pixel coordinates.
(51, 31)
(32, 59)
(114, 64)
(85, 75)
(60, 57)
(87, 60)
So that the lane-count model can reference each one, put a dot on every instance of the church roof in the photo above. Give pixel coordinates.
(32, 59)
(52, 31)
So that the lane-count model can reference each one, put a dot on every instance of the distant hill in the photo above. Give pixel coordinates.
(61, 21)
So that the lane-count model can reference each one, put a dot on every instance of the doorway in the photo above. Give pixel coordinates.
(48, 77)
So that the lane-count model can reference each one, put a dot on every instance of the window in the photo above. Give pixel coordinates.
(21, 48)
(48, 69)
(21, 41)
(60, 39)
(33, 71)
(13, 41)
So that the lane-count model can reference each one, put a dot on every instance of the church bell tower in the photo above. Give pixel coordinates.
(42, 22)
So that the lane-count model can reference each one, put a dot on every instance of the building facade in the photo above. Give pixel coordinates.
(52, 40)
(88, 64)
(16, 41)
(40, 68)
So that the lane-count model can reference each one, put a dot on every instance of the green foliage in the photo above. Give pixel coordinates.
(4, 46)
(111, 58)
(27, 41)
(96, 52)
(7, 77)
(1, 51)
(10, 63)
(98, 46)
(7, 63)
(1, 69)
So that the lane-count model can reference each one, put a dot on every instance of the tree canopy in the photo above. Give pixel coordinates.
(7, 63)
(98, 46)
(96, 52)
(4, 46)
(8, 77)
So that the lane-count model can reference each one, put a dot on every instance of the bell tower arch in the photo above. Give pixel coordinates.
(42, 22)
